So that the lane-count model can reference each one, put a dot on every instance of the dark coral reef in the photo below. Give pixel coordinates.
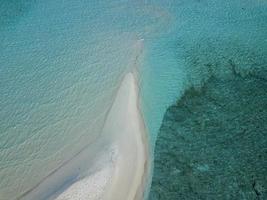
(212, 143)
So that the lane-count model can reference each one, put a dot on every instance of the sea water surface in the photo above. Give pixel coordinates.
(61, 63)
(212, 141)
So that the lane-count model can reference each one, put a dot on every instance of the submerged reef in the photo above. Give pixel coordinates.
(212, 143)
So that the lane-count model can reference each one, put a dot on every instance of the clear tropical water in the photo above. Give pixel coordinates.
(212, 141)
(62, 61)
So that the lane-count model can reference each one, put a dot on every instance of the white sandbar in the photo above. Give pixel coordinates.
(123, 177)
(114, 167)
(126, 126)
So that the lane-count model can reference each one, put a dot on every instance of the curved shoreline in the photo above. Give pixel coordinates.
(115, 167)
(131, 165)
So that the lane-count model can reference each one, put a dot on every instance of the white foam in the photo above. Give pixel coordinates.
(93, 186)
(88, 188)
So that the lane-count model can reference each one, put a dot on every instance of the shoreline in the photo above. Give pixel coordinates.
(114, 167)
(132, 164)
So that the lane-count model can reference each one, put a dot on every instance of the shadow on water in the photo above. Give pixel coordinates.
(212, 143)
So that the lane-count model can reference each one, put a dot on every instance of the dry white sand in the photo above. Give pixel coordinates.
(126, 125)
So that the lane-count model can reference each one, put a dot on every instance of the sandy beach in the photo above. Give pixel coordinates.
(126, 124)
(123, 176)
(114, 167)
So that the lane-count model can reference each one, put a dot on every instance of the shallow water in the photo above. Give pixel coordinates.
(62, 61)
(212, 141)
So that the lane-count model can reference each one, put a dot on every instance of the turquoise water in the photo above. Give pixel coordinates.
(61, 64)
(62, 61)
(194, 27)
(212, 140)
